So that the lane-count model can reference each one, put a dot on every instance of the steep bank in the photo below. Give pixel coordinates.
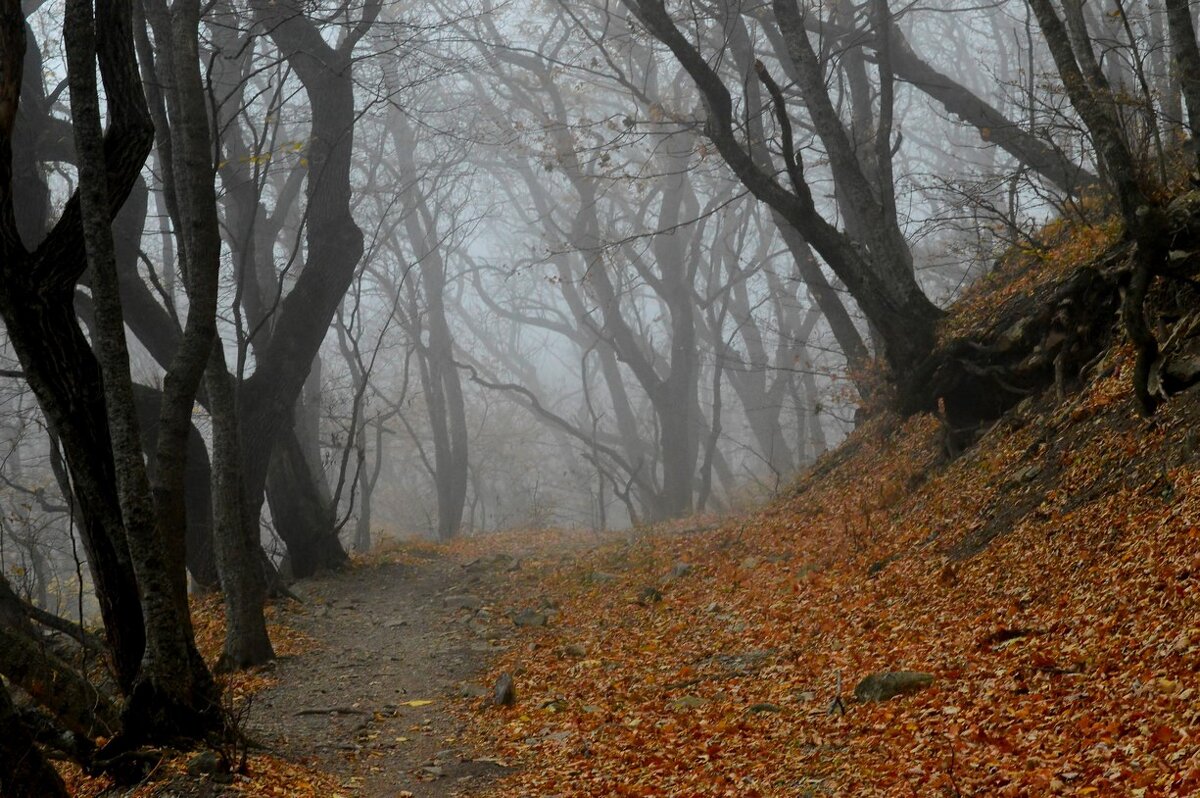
(1044, 570)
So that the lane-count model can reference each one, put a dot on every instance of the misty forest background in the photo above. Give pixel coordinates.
(437, 269)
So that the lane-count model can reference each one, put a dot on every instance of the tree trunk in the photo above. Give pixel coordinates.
(54, 684)
(1091, 96)
(302, 520)
(878, 271)
(192, 185)
(334, 246)
(307, 429)
(174, 694)
(37, 303)
(197, 488)
(1186, 56)
(235, 534)
(439, 372)
(366, 485)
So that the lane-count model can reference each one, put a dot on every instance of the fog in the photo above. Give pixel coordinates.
(565, 263)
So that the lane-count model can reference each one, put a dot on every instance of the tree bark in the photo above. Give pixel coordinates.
(439, 373)
(993, 126)
(880, 278)
(198, 543)
(54, 684)
(1186, 55)
(236, 529)
(302, 520)
(37, 304)
(1089, 92)
(173, 694)
(334, 247)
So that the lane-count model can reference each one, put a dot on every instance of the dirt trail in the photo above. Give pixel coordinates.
(388, 643)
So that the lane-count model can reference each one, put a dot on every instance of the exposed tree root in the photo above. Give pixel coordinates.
(1055, 335)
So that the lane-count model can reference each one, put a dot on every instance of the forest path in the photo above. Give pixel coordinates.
(373, 704)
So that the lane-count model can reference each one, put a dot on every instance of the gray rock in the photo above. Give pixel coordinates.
(744, 662)
(886, 685)
(529, 617)
(687, 702)
(497, 562)
(750, 563)
(1030, 474)
(472, 691)
(205, 763)
(649, 595)
(764, 706)
(1013, 335)
(505, 692)
(463, 602)
(575, 650)
(681, 569)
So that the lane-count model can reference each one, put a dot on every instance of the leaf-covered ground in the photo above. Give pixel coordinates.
(1065, 653)
(1048, 579)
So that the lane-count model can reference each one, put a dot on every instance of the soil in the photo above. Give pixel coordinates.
(375, 703)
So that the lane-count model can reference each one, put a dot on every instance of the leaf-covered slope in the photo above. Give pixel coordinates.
(1048, 578)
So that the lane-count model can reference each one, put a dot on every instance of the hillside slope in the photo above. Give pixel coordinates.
(1047, 576)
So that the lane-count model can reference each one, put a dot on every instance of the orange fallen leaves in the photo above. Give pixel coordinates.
(1066, 653)
(264, 775)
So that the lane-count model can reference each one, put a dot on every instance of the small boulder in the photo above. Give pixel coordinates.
(1030, 474)
(472, 691)
(681, 569)
(463, 602)
(649, 595)
(505, 692)
(764, 706)
(575, 650)
(687, 702)
(205, 763)
(529, 617)
(886, 685)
